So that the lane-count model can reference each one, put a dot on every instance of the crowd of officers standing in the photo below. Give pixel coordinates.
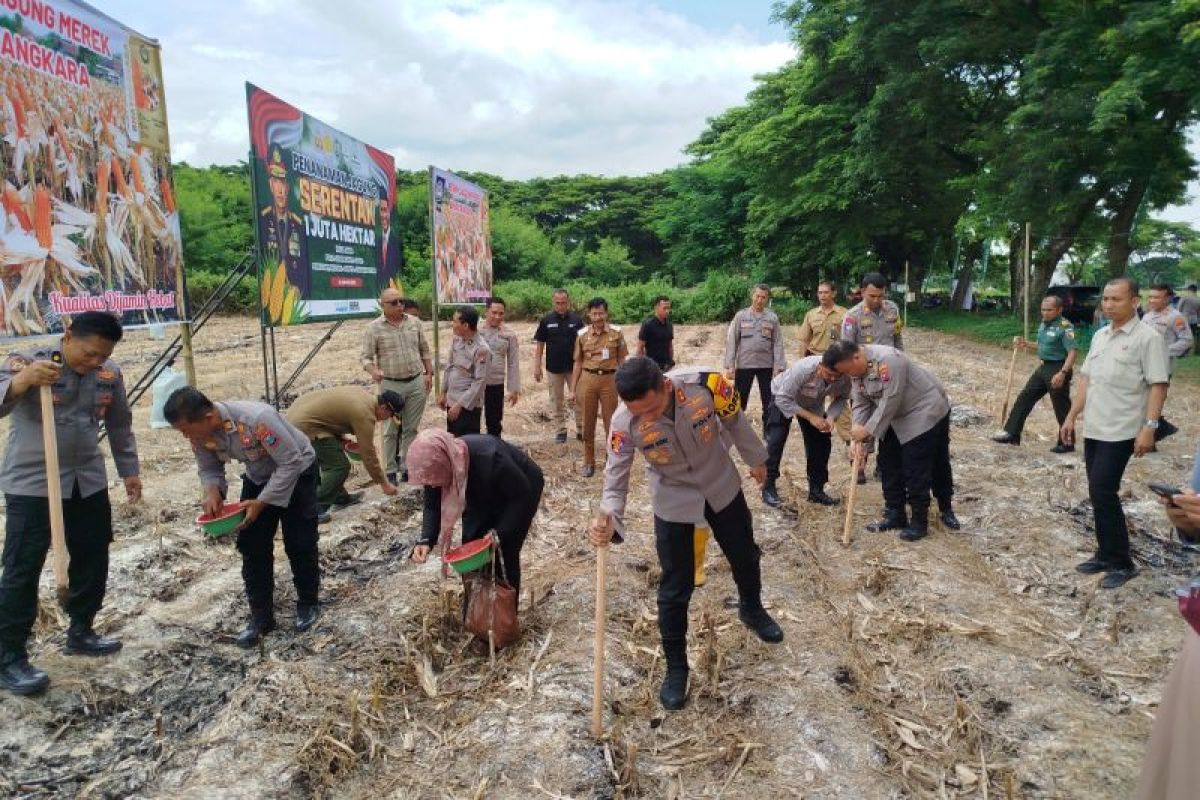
(852, 379)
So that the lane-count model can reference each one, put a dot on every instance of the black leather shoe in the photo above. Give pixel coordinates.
(254, 631)
(1006, 438)
(861, 478)
(949, 520)
(893, 519)
(324, 517)
(818, 496)
(20, 677)
(758, 620)
(1092, 566)
(1117, 577)
(587, 470)
(1063, 448)
(403, 477)
(306, 617)
(561, 437)
(770, 495)
(673, 694)
(83, 641)
(913, 531)
(391, 476)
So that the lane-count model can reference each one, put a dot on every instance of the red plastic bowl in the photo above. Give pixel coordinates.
(224, 522)
(470, 556)
(352, 450)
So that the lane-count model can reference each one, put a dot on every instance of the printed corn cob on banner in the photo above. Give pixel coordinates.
(89, 219)
(323, 203)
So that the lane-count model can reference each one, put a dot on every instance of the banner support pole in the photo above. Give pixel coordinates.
(437, 350)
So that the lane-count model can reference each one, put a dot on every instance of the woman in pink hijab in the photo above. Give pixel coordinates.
(486, 481)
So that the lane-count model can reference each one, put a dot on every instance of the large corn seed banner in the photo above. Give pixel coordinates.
(462, 243)
(89, 212)
(326, 245)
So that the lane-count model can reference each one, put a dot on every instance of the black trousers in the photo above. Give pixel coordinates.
(256, 542)
(467, 422)
(744, 378)
(88, 524)
(909, 471)
(733, 528)
(817, 447)
(1037, 387)
(493, 408)
(1106, 462)
(510, 521)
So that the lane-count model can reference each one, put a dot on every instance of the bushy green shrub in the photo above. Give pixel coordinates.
(243, 299)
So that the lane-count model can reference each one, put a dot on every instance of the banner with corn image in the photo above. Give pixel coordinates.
(281, 302)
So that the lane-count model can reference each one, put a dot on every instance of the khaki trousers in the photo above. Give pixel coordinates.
(413, 392)
(557, 382)
(595, 391)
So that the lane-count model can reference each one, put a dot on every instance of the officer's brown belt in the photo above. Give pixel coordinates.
(599, 371)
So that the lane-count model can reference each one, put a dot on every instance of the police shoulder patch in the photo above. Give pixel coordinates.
(619, 443)
(725, 396)
(1180, 322)
(265, 435)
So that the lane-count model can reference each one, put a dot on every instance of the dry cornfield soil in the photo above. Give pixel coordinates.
(971, 664)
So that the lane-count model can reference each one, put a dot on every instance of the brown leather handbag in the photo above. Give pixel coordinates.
(490, 605)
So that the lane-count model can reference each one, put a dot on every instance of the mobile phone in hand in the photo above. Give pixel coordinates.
(1164, 489)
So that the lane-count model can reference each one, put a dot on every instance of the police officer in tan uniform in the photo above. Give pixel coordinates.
(821, 327)
(1173, 327)
(87, 388)
(754, 349)
(801, 392)
(683, 425)
(905, 408)
(599, 350)
(504, 366)
(279, 486)
(466, 374)
(873, 320)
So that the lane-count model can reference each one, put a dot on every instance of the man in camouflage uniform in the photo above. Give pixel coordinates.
(466, 374)
(683, 425)
(87, 388)
(1056, 348)
(281, 232)
(905, 408)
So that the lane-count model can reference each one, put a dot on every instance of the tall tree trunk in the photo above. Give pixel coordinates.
(1016, 270)
(965, 274)
(1119, 244)
(1046, 260)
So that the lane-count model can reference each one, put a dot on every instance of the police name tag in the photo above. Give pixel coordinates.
(604, 353)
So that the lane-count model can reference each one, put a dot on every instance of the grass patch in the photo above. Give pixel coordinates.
(1000, 328)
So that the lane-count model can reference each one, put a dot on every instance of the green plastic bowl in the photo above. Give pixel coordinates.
(352, 451)
(226, 521)
(470, 556)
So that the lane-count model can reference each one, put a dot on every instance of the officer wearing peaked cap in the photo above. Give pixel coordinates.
(281, 232)
(683, 424)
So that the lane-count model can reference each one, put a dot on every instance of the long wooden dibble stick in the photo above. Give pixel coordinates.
(1012, 366)
(58, 538)
(858, 466)
(601, 618)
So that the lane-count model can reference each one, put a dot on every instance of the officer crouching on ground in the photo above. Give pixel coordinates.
(90, 390)
(680, 422)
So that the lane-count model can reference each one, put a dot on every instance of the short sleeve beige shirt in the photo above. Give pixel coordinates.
(398, 350)
(1121, 366)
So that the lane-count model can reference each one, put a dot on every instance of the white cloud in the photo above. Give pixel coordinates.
(515, 87)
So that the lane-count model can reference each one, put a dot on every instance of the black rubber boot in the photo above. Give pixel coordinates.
(893, 519)
(18, 676)
(756, 618)
(259, 626)
(918, 526)
(673, 694)
(83, 641)
(770, 495)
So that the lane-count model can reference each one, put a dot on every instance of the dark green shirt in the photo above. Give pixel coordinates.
(1054, 339)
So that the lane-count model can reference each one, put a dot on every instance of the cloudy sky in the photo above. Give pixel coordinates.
(519, 88)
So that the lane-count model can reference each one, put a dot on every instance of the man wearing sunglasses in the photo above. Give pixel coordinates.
(396, 354)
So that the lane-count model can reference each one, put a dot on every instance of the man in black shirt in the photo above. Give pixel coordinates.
(656, 339)
(555, 335)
